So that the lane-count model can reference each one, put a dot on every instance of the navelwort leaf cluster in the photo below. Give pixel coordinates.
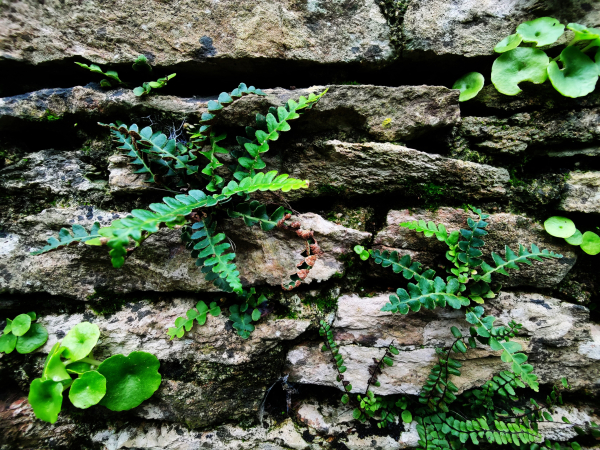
(564, 227)
(193, 166)
(573, 73)
(498, 412)
(118, 383)
(23, 334)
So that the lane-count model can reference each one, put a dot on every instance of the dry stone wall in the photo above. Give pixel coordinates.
(388, 143)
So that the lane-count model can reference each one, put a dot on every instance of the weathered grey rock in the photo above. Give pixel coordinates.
(582, 192)
(50, 172)
(206, 31)
(557, 337)
(122, 180)
(473, 28)
(162, 264)
(413, 110)
(369, 168)
(538, 132)
(504, 229)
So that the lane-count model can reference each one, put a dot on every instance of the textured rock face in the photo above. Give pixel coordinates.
(504, 229)
(473, 28)
(315, 31)
(163, 263)
(378, 168)
(556, 335)
(582, 193)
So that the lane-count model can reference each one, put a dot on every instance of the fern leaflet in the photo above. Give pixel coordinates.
(65, 238)
(255, 212)
(409, 269)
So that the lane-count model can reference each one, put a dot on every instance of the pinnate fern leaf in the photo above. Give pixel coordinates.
(213, 163)
(212, 256)
(523, 257)
(121, 135)
(430, 229)
(429, 294)
(183, 324)
(409, 269)
(66, 238)
(166, 149)
(255, 212)
(242, 322)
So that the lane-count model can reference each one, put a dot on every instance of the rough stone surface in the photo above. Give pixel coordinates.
(555, 335)
(504, 229)
(535, 131)
(413, 110)
(195, 32)
(162, 263)
(50, 172)
(582, 193)
(122, 180)
(340, 167)
(473, 28)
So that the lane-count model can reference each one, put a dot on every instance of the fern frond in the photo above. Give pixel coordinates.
(409, 269)
(172, 212)
(497, 339)
(121, 135)
(255, 212)
(276, 121)
(216, 106)
(470, 252)
(65, 238)
(438, 391)
(242, 321)
(512, 259)
(213, 163)
(210, 251)
(430, 229)
(429, 294)
(165, 149)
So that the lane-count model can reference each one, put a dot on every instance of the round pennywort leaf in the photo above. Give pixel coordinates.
(517, 65)
(542, 31)
(560, 227)
(579, 75)
(508, 43)
(590, 243)
(129, 379)
(575, 238)
(80, 341)
(36, 336)
(21, 324)
(7, 342)
(583, 33)
(79, 367)
(45, 397)
(469, 85)
(406, 416)
(88, 389)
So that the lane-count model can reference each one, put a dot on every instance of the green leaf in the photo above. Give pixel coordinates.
(80, 340)
(78, 367)
(518, 65)
(54, 368)
(139, 91)
(35, 337)
(345, 399)
(255, 212)
(456, 332)
(542, 31)
(21, 324)
(45, 397)
(590, 243)
(88, 389)
(583, 33)
(579, 75)
(407, 416)
(575, 239)
(7, 342)
(469, 85)
(560, 227)
(356, 413)
(129, 380)
(65, 238)
(141, 64)
(508, 43)
(8, 327)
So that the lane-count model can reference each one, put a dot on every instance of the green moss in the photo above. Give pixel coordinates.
(430, 194)
(329, 189)
(104, 303)
(324, 303)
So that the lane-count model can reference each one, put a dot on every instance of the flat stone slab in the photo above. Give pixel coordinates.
(582, 192)
(162, 263)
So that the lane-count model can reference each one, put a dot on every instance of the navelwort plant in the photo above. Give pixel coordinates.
(22, 334)
(119, 383)
(496, 412)
(563, 227)
(573, 73)
(177, 165)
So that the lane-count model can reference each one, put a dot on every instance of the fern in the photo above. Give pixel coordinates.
(255, 212)
(166, 149)
(215, 180)
(524, 256)
(121, 135)
(66, 238)
(429, 294)
(404, 265)
(183, 324)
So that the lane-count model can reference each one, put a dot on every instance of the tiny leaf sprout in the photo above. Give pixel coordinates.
(119, 382)
(469, 85)
(564, 227)
(22, 334)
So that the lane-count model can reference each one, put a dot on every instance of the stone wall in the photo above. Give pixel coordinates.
(521, 159)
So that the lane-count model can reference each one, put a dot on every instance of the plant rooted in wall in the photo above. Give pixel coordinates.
(564, 227)
(23, 334)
